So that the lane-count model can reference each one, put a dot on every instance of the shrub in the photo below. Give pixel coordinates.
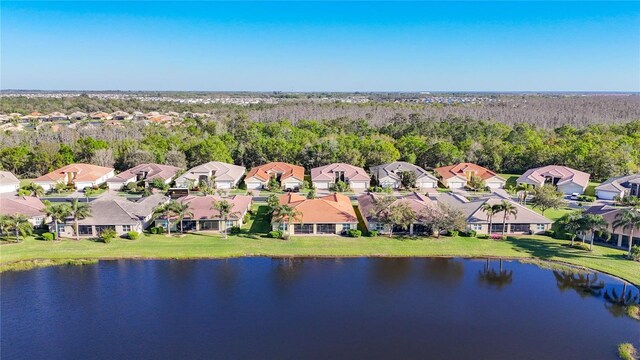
(132, 235)
(373, 233)
(157, 230)
(276, 234)
(234, 230)
(354, 233)
(48, 236)
(495, 236)
(635, 252)
(453, 233)
(581, 246)
(626, 351)
(483, 236)
(107, 235)
(585, 198)
(246, 218)
(472, 233)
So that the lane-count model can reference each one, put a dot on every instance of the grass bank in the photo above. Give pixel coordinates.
(611, 261)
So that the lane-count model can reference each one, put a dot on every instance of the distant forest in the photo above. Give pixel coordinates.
(544, 111)
(592, 134)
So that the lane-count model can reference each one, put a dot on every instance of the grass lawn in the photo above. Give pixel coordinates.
(511, 178)
(553, 214)
(603, 259)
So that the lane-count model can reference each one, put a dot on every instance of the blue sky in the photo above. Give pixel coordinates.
(331, 46)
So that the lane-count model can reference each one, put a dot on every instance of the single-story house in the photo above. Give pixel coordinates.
(57, 116)
(78, 115)
(290, 176)
(113, 212)
(526, 221)
(566, 179)
(143, 172)
(79, 175)
(206, 217)
(215, 173)
(618, 236)
(619, 186)
(324, 177)
(29, 206)
(121, 115)
(9, 183)
(456, 176)
(328, 215)
(416, 201)
(388, 175)
(100, 115)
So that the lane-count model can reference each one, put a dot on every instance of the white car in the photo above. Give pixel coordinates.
(575, 196)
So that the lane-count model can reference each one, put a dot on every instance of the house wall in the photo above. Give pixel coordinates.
(291, 184)
(46, 185)
(359, 185)
(608, 195)
(10, 188)
(426, 184)
(254, 184)
(321, 185)
(454, 183)
(68, 232)
(339, 228)
(533, 229)
(389, 183)
(495, 184)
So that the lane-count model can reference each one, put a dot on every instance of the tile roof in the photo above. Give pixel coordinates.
(223, 171)
(460, 170)
(333, 208)
(536, 176)
(202, 206)
(7, 178)
(472, 209)
(26, 205)
(393, 169)
(116, 210)
(326, 173)
(85, 172)
(416, 201)
(609, 214)
(263, 172)
(154, 171)
(619, 183)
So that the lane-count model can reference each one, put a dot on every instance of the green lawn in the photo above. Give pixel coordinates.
(205, 246)
(553, 214)
(511, 178)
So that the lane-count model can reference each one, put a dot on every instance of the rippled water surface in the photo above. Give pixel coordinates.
(312, 308)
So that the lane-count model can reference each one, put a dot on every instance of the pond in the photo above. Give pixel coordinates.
(375, 308)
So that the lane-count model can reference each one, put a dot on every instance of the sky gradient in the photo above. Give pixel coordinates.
(309, 46)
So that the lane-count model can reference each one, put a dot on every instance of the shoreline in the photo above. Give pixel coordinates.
(31, 264)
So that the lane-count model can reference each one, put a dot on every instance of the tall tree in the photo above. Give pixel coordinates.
(20, 225)
(166, 211)
(79, 211)
(507, 208)
(490, 210)
(593, 223)
(285, 214)
(547, 197)
(59, 212)
(225, 209)
(628, 219)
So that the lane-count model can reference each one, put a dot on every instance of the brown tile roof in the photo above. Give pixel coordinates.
(26, 205)
(416, 201)
(86, 172)
(537, 176)
(201, 206)
(462, 169)
(334, 208)
(154, 171)
(326, 173)
(263, 172)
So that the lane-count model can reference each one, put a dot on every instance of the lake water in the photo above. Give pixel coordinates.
(262, 308)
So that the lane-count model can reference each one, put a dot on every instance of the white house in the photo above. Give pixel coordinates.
(388, 175)
(9, 183)
(619, 186)
(457, 176)
(218, 174)
(77, 175)
(324, 177)
(290, 176)
(566, 179)
(143, 172)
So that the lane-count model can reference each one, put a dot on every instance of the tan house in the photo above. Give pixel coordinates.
(78, 175)
(100, 115)
(143, 172)
(328, 215)
(121, 115)
(457, 176)
(215, 173)
(29, 206)
(205, 217)
(290, 176)
(9, 183)
(389, 175)
(621, 186)
(618, 236)
(416, 201)
(565, 179)
(324, 177)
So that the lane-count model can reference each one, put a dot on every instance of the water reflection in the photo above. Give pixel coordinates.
(446, 271)
(391, 271)
(499, 278)
(617, 303)
(585, 284)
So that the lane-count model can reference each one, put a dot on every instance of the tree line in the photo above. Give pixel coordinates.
(601, 150)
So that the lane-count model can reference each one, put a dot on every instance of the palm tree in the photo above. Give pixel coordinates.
(166, 211)
(20, 224)
(5, 224)
(509, 209)
(628, 219)
(490, 210)
(58, 212)
(226, 210)
(79, 211)
(286, 214)
(524, 189)
(593, 223)
(182, 211)
(572, 223)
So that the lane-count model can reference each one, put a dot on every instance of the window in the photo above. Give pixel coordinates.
(38, 220)
(283, 227)
(85, 229)
(346, 227)
(303, 229)
(326, 228)
(60, 227)
(518, 228)
(496, 228)
(230, 223)
(126, 228)
(540, 227)
(476, 227)
(379, 227)
(101, 228)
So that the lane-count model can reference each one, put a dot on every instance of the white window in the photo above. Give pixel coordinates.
(283, 226)
(540, 227)
(38, 220)
(230, 223)
(476, 227)
(126, 228)
(346, 227)
(379, 227)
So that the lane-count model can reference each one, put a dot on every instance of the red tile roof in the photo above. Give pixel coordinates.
(85, 172)
(334, 208)
(263, 172)
(462, 169)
